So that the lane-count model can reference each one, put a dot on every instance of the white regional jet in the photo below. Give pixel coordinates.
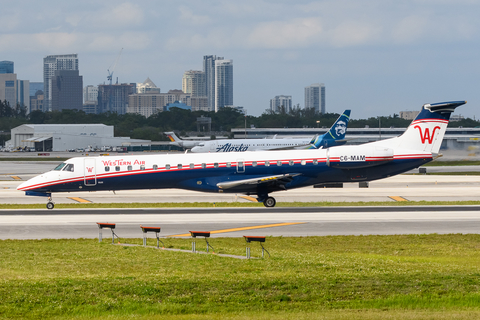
(334, 137)
(253, 173)
(187, 144)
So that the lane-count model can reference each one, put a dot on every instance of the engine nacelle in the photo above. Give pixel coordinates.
(354, 157)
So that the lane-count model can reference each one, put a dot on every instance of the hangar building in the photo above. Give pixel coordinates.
(62, 137)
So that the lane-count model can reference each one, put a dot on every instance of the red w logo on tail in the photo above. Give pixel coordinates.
(89, 169)
(425, 136)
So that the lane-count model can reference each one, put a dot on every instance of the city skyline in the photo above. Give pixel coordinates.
(377, 57)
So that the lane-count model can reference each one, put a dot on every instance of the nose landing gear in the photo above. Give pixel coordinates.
(50, 204)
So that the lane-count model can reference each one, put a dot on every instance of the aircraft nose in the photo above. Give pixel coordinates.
(31, 184)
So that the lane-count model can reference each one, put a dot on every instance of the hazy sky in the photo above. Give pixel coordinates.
(376, 57)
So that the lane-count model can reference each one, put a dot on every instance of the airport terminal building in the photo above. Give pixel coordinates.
(62, 137)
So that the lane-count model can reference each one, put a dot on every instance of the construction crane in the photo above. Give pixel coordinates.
(110, 73)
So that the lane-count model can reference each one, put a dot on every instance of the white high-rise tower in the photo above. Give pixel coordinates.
(315, 97)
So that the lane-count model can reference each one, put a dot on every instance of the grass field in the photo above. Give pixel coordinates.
(238, 204)
(334, 277)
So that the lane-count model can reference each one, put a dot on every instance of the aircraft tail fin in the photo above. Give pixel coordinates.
(426, 132)
(172, 136)
(335, 135)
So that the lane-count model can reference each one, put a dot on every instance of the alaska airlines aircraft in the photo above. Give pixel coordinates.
(253, 173)
(334, 136)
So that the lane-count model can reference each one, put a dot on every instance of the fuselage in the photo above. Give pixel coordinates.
(203, 172)
(241, 145)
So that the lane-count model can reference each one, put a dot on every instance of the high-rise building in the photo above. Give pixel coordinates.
(147, 87)
(34, 87)
(193, 82)
(315, 97)
(90, 99)
(209, 70)
(8, 88)
(14, 91)
(23, 94)
(66, 88)
(279, 102)
(36, 101)
(50, 65)
(148, 104)
(114, 98)
(90, 94)
(223, 83)
(6, 66)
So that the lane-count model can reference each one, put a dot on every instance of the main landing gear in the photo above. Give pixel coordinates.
(50, 204)
(269, 202)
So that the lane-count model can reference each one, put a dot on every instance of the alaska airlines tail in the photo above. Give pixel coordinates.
(335, 136)
(426, 132)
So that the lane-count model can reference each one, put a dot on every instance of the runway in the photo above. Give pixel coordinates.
(41, 224)
(408, 187)
(237, 222)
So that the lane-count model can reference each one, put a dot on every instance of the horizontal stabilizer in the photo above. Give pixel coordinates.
(443, 107)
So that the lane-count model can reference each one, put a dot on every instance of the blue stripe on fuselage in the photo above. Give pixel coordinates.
(206, 179)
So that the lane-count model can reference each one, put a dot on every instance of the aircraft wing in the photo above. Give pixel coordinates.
(280, 179)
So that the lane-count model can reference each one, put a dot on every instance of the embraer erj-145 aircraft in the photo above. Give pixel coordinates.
(253, 173)
(334, 137)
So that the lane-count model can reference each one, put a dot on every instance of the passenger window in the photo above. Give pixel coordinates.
(291, 162)
(179, 166)
(192, 165)
(107, 169)
(267, 163)
(279, 163)
(315, 161)
(117, 168)
(167, 167)
(68, 167)
(142, 167)
(155, 167)
(254, 163)
(303, 162)
(215, 165)
(129, 168)
(204, 165)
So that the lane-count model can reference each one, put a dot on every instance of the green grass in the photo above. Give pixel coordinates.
(334, 277)
(236, 204)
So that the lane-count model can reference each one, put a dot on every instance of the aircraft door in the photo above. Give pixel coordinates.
(89, 172)
(240, 166)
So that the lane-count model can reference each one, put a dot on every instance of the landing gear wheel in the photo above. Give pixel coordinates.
(50, 205)
(269, 202)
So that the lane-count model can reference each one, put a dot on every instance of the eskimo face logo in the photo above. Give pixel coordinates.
(425, 136)
(340, 128)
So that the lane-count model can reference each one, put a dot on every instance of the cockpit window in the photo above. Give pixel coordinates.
(68, 167)
(60, 166)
